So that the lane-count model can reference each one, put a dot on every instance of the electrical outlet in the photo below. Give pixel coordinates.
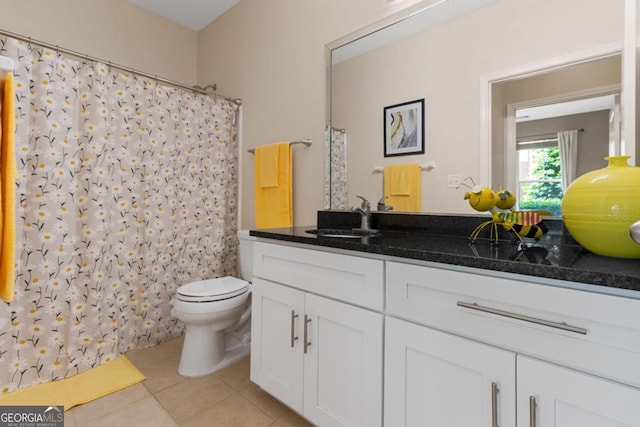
(454, 181)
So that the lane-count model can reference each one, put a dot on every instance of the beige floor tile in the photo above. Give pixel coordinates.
(263, 400)
(292, 419)
(98, 408)
(150, 356)
(161, 375)
(237, 375)
(235, 411)
(70, 420)
(143, 413)
(225, 398)
(193, 395)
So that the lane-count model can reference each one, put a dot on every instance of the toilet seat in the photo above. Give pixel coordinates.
(212, 289)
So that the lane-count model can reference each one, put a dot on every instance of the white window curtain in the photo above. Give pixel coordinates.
(126, 190)
(568, 146)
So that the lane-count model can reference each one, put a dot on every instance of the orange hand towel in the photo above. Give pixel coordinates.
(8, 173)
(273, 203)
(402, 187)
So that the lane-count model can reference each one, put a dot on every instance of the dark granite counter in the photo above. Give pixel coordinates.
(444, 239)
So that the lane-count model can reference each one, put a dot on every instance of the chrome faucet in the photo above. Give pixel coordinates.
(365, 212)
(382, 207)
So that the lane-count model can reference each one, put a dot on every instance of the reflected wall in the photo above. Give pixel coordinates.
(446, 66)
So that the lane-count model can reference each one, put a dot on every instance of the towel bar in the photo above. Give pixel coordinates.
(306, 142)
(424, 167)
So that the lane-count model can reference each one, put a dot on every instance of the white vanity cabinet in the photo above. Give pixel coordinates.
(549, 395)
(574, 355)
(433, 378)
(437, 379)
(317, 333)
(460, 346)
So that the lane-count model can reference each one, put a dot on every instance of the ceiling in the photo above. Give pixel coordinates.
(565, 108)
(194, 14)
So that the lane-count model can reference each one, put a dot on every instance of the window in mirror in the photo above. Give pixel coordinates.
(540, 176)
(557, 142)
(537, 107)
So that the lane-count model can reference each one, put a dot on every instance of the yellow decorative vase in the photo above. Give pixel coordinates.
(599, 208)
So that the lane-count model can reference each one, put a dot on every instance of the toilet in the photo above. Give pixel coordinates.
(216, 313)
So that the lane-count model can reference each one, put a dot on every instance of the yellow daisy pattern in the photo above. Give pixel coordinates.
(127, 189)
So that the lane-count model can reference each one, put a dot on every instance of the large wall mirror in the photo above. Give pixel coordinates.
(499, 78)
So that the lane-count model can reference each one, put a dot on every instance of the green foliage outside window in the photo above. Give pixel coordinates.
(544, 195)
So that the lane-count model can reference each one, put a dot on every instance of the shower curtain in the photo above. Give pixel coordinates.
(335, 168)
(126, 190)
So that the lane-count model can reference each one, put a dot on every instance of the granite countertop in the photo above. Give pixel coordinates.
(444, 239)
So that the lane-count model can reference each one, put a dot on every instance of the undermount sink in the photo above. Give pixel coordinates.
(354, 233)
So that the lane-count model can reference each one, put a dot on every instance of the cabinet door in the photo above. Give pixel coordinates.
(276, 341)
(343, 364)
(435, 379)
(553, 396)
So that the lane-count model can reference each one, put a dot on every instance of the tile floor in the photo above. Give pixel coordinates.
(165, 399)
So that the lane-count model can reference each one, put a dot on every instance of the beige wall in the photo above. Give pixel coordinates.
(272, 55)
(113, 30)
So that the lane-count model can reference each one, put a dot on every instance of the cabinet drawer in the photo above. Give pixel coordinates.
(588, 331)
(351, 279)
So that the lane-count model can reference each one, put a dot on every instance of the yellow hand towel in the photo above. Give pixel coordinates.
(402, 186)
(268, 158)
(274, 205)
(8, 173)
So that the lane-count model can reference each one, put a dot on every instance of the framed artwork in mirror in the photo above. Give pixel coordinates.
(404, 128)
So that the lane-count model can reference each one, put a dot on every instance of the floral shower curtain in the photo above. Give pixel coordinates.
(126, 190)
(335, 168)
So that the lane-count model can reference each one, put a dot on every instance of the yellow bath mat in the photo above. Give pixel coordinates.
(82, 388)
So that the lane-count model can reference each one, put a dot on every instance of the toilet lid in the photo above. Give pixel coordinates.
(212, 289)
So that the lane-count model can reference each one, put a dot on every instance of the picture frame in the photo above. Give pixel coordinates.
(404, 128)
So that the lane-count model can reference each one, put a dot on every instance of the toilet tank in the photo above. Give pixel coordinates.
(245, 254)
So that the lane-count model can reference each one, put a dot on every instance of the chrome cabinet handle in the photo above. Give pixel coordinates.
(532, 411)
(294, 316)
(307, 320)
(494, 404)
(559, 325)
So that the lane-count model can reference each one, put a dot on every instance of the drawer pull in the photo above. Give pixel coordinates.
(559, 325)
(307, 320)
(532, 411)
(494, 404)
(294, 316)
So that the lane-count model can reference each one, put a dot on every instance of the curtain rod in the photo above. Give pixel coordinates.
(550, 134)
(86, 57)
